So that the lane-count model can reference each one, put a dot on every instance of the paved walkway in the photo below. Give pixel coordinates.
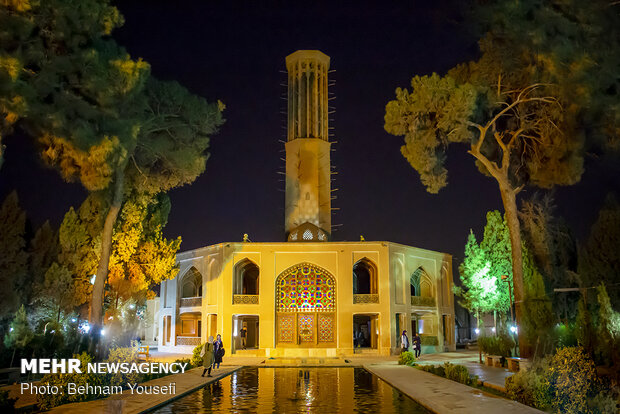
(128, 403)
(491, 377)
(444, 396)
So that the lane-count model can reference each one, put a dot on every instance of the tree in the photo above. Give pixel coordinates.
(96, 118)
(479, 291)
(608, 335)
(517, 116)
(20, 334)
(14, 27)
(57, 65)
(570, 44)
(43, 252)
(141, 257)
(170, 151)
(599, 257)
(13, 257)
(57, 293)
(537, 314)
(483, 266)
(554, 252)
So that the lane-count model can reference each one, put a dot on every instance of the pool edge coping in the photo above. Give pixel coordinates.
(189, 391)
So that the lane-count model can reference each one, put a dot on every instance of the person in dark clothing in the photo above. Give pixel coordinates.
(244, 333)
(417, 344)
(218, 351)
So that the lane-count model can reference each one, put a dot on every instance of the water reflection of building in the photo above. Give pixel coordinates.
(308, 296)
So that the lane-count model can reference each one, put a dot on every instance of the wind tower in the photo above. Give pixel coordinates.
(308, 169)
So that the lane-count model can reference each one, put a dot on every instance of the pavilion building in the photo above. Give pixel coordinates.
(309, 295)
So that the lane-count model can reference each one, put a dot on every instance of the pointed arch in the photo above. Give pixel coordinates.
(365, 277)
(191, 283)
(305, 288)
(306, 307)
(246, 278)
(421, 283)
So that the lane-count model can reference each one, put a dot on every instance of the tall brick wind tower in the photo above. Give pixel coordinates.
(308, 169)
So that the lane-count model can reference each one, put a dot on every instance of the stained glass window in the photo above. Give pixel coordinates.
(306, 288)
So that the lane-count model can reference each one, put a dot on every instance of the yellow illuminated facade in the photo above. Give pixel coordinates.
(308, 296)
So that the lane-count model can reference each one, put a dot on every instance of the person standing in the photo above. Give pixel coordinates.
(244, 333)
(404, 342)
(417, 344)
(218, 351)
(207, 356)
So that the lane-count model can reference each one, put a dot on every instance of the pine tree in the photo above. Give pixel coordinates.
(13, 257)
(483, 289)
(599, 259)
(525, 110)
(20, 334)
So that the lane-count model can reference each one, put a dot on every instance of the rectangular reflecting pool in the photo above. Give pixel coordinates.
(296, 390)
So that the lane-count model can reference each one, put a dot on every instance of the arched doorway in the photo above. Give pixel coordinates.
(306, 307)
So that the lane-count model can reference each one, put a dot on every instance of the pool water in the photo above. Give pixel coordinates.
(296, 390)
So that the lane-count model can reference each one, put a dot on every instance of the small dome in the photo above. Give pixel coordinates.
(308, 232)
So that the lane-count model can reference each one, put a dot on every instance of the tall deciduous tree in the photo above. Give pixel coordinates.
(141, 257)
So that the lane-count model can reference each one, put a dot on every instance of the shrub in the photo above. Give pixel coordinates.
(7, 404)
(406, 358)
(124, 355)
(458, 373)
(196, 358)
(531, 387)
(47, 401)
(572, 379)
(429, 340)
(437, 370)
(496, 345)
(565, 382)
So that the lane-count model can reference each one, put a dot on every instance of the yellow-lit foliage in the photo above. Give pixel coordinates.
(92, 167)
(572, 376)
(141, 256)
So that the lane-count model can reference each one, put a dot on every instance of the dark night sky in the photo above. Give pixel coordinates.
(235, 52)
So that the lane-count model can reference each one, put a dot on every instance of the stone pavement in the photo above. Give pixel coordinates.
(491, 377)
(128, 403)
(442, 395)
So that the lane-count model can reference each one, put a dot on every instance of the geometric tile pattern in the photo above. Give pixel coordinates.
(286, 328)
(326, 327)
(305, 288)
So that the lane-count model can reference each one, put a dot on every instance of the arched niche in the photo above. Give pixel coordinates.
(246, 278)
(191, 283)
(364, 277)
(420, 283)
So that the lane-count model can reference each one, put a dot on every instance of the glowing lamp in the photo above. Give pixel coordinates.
(477, 331)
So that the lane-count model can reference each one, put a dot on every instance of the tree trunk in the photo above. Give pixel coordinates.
(106, 247)
(509, 199)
